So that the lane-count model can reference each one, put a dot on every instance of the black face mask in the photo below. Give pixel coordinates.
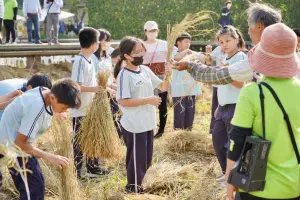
(137, 61)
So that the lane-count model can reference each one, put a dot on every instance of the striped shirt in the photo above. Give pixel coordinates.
(137, 85)
(26, 115)
(239, 71)
(83, 72)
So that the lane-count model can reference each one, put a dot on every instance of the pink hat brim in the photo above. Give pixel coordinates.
(273, 67)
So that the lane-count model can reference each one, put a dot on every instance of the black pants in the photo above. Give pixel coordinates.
(246, 196)
(163, 111)
(1, 20)
(138, 157)
(91, 163)
(214, 106)
(10, 29)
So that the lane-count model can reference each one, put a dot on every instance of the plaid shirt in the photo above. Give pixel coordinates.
(207, 74)
(240, 71)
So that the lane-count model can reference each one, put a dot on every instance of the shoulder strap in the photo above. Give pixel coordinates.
(153, 53)
(262, 104)
(50, 7)
(286, 118)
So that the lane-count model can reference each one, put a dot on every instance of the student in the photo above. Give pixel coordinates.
(115, 56)
(184, 89)
(231, 41)
(12, 87)
(26, 118)
(10, 16)
(270, 59)
(135, 93)
(83, 72)
(155, 58)
(217, 55)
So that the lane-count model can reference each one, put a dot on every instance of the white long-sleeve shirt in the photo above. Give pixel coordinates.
(56, 6)
(1, 9)
(31, 6)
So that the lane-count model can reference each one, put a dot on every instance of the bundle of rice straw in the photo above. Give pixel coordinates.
(69, 188)
(182, 141)
(188, 24)
(9, 157)
(167, 177)
(98, 137)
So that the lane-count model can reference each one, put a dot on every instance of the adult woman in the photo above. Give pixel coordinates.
(155, 58)
(275, 58)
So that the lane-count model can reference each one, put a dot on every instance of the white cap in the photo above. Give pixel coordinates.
(150, 25)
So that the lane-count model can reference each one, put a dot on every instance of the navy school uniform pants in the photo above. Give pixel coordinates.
(163, 111)
(91, 163)
(184, 112)
(138, 156)
(35, 179)
(220, 134)
(214, 106)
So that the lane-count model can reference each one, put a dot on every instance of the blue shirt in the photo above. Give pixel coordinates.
(26, 115)
(9, 85)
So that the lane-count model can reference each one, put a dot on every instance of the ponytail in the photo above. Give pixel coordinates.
(117, 68)
(241, 43)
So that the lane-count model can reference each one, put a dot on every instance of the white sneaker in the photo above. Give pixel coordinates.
(223, 184)
(221, 178)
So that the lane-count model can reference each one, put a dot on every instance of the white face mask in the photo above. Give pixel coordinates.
(152, 35)
(229, 5)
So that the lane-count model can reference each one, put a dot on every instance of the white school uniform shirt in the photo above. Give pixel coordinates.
(228, 94)
(83, 72)
(137, 85)
(9, 85)
(183, 83)
(26, 115)
(104, 64)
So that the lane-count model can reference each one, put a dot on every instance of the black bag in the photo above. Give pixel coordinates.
(45, 20)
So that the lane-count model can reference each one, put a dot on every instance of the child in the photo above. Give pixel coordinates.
(17, 85)
(26, 118)
(184, 90)
(155, 58)
(231, 41)
(83, 72)
(135, 94)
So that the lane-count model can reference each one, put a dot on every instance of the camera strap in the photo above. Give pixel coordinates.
(285, 116)
(50, 7)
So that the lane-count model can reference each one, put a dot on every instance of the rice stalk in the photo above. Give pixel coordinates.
(62, 137)
(98, 137)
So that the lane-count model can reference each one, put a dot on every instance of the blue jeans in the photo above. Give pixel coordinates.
(33, 19)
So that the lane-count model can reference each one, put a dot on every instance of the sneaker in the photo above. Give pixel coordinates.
(93, 173)
(223, 184)
(56, 43)
(129, 189)
(221, 178)
(38, 42)
(49, 43)
(30, 42)
(13, 43)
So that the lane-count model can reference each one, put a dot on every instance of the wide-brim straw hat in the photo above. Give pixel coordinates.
(275, 55)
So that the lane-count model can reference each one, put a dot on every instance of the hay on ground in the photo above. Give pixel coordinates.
(163, 178)
(98, 137)
(182, 141)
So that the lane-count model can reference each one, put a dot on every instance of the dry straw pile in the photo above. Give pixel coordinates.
(98, 137)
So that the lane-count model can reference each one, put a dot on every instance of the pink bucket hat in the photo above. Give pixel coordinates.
(275, 55)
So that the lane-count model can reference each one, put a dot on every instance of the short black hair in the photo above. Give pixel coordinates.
(87, 37)
(40, 80)
(115, 53)
(104, 35)
(67, 92)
